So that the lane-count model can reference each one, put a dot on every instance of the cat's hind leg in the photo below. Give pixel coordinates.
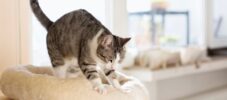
(61, 71)
(73, 72)
(58, 63)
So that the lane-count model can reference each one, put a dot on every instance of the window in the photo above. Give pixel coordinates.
(170, 23)
(219, 16)
(55, 9)
(216, 22)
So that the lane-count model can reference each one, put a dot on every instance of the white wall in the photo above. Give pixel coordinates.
(117, 17)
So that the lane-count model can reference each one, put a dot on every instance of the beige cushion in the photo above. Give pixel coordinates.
(37, 83)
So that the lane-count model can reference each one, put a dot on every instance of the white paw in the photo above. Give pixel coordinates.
(102, 89)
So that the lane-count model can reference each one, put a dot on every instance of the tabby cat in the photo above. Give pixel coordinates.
(78, 40)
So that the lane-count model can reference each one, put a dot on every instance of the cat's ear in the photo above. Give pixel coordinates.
(107, 40)
(123, 41)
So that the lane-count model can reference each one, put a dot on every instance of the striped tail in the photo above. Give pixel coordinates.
(44, 20)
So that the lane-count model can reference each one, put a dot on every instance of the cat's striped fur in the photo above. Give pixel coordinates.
(78, 40)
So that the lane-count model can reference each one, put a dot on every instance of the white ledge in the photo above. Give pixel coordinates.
(147, 75)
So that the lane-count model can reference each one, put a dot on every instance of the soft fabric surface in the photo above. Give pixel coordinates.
(33, 83)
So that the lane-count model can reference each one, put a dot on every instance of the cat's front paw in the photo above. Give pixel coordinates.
(102, 89)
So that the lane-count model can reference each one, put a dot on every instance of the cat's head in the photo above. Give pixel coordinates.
(111, 49)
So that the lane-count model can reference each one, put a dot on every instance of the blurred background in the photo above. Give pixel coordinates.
(178, 47)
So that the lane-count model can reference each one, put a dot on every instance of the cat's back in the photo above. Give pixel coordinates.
(68, 31)
(76, 19)
(76, 23)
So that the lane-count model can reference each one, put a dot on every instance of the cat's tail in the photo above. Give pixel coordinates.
(44, 20)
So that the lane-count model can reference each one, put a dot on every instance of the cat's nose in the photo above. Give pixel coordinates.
(111, 61)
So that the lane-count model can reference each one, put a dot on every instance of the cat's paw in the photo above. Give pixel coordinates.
(102, 89)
